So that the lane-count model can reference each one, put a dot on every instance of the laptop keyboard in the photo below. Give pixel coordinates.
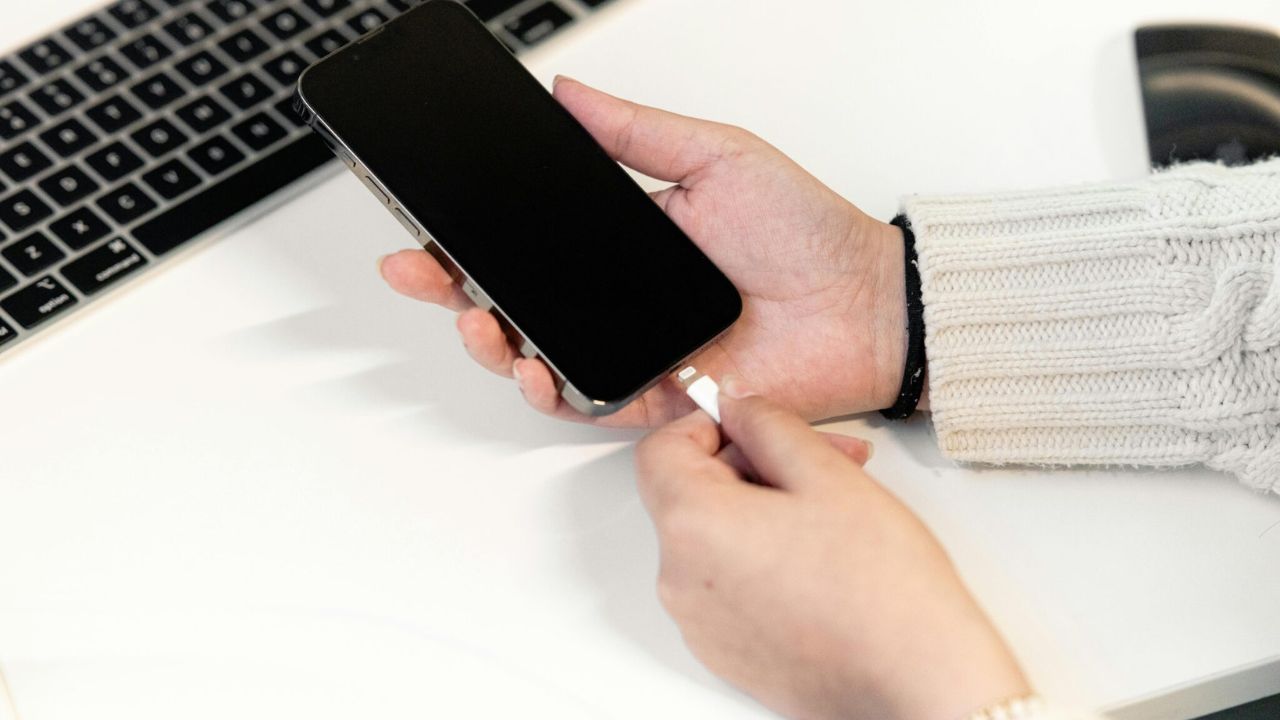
(139, 128)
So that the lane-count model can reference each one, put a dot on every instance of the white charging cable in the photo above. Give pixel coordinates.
(702, 389)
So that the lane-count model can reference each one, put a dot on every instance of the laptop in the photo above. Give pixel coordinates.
(236, 474)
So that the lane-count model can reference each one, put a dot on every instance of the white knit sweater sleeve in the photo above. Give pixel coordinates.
(1121, 324)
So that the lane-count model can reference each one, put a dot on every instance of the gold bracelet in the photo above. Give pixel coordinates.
(1027, 707)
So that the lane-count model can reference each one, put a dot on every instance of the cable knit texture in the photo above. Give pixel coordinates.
(1123, 324)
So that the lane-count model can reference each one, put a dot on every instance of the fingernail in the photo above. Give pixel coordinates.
(515, 372)
(871, 449)
(556, 82)
(736, 388)
(382, 260)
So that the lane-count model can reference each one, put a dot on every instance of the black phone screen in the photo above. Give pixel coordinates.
(562, 240)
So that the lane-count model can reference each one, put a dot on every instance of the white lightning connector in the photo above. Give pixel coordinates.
(702, 389)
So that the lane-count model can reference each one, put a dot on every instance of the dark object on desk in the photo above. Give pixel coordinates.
(1267, 708)
(1210, 92)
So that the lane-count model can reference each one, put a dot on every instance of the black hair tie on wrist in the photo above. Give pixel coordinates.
(913, 373)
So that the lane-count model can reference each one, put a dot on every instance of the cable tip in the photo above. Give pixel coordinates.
(704, 391)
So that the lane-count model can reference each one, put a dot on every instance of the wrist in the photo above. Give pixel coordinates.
(984, 677)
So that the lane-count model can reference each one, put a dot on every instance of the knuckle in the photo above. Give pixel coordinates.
(682, 531)
(645, 448)
(652, 448)
(648, 452)
(668, 593)
(761, 419)
(736, 141)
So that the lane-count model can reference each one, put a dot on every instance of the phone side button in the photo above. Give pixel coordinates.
(528, 350)
(479, 298)
(408, 224)
(373, 187)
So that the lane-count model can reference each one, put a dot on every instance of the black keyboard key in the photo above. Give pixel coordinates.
(23, 161)
(538, 23)
(102, 266)
(68, 185)
(15, 119)
(229, 11)
(23, 209)
(235, 193)
(172, 179)
(114, 161)
(366, 21)
(157, 91)
(285, 108)
(328, 8)
(189, 29)
(68, 137)
(6, 280)
(216, 155)
(203, 115)
(132, 13)
(285, 68)
(89, 34)
(595, 3)
(259, 132)
(32, 253)
(101, 74)
(38, 302)
(244, 46)
(6, 333)
(45, 56)
(487, 10)
(159, 138)
(325, 43)
(126, 203)
(78, 229)
(285, 24)
(246, 91)
(113, 114)
(146, 51)
(57, 97)
(201, 68)
(10, 78)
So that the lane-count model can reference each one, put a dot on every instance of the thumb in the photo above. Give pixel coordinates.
(783, 449)
(658, 143)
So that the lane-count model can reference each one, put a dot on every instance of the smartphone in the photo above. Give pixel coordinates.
(519, 203)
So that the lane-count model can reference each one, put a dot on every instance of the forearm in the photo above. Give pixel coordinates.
(1116, 324)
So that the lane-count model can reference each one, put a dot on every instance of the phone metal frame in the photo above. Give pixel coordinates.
(576, 398)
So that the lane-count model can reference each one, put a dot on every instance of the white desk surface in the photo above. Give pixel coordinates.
(258, 484)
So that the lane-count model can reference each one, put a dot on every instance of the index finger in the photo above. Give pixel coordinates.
(679, 459)
(415, 274)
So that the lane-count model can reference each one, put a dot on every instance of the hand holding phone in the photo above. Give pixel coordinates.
(823, 326)
(517, 201)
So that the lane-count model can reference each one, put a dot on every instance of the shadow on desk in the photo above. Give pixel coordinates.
(407, 357)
